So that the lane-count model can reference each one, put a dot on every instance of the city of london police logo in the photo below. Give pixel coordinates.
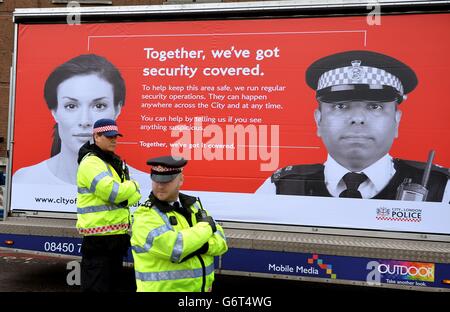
(399, 214)
(383, 212)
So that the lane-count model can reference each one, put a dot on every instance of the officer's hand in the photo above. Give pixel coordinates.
(211, 222)
(202, 217)
(203, 249)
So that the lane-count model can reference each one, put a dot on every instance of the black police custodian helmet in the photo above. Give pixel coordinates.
(360, 75)
(166, 168)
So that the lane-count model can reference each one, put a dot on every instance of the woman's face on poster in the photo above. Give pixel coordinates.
(82, 100)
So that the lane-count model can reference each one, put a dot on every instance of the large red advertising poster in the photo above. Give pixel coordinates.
(231, 97)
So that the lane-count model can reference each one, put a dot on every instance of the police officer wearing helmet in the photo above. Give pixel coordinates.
(105, 192)
(358, 117)
(174, 239)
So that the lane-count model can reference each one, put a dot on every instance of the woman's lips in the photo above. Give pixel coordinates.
(82, 135)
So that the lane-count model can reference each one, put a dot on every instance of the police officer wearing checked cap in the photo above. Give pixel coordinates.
(105, 193)
(166, 168)
(174, 239)
(359, 95)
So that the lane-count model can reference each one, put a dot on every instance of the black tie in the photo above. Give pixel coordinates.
(176, 205)
(353, 181)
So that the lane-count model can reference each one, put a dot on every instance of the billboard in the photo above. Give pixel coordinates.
(372, 271)
(238, 99)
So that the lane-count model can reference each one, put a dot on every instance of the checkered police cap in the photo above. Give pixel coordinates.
(166, 168)
(360, 75)
(107, 127)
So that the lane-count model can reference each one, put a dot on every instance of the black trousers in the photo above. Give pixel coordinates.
(102, 264)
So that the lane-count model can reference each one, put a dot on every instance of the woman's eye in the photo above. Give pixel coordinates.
(70, 106)
(100, 106)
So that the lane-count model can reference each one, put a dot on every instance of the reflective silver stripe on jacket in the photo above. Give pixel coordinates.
(173, 275)
(97, 179)
(91, 189)
(178, 246)
(100, 208)
(221, 235)
(84, 190)
(150, 237)
(114, 192)
(154, 233)
(164, 217)
(107, 167)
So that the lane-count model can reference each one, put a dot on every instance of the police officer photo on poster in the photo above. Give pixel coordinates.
(359, 96)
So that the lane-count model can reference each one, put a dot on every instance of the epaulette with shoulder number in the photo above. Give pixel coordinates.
(297, 170)
(421, 165)
(148, 203)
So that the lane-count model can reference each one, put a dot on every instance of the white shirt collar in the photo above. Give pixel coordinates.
(379, 174)
(177, 201)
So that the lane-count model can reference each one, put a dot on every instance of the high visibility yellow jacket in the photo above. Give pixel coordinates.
(173, 254)
(102, 199)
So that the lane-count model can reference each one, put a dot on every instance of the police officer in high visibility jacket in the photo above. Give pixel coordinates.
(174, 239)
(105, 192)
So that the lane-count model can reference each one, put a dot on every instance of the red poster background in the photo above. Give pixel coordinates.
(421, 41)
